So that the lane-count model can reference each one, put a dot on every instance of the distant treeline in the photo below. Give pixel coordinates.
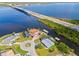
(21, 3)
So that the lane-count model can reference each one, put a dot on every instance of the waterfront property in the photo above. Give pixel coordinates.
(40, 44)
(10, 39)
(26, 34)
(47, 42)
(34, 32)
(31, 41)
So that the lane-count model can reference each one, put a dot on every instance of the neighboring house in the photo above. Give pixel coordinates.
(26, 34)
(47, 42)
(10, 39)
(34, 32)
(17, 34)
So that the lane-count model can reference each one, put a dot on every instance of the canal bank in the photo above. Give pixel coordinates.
(63, 39)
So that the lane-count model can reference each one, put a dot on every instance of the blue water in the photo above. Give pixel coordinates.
(58, 10)
(12, 20)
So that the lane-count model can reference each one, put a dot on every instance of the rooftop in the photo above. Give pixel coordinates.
(32, 31)
(47, 42)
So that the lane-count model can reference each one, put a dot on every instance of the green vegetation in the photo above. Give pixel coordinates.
(53, 51)
(5, 36)
(40, 49)
(42, 52)
(71, 21)
(17, 49)
(22, 38)
(52, 48)
(64, 48)
(12, 3)
(4, 47)
(61, 30)
(43, 35)
(37, 41)
(40, 46)
(1, 39)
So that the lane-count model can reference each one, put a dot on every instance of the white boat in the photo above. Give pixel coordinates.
(57, 38)
(45, 30)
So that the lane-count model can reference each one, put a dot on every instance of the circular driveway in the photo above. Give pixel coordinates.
(30, 49)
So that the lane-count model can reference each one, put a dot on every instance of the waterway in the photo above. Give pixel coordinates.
(12, 20)
(58, 10)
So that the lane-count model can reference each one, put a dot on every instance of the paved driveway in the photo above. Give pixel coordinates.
(31, 49)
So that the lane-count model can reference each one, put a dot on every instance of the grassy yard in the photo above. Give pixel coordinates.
(17, 49)
(54, 51)
(37, 41)
(4, 47)
(22, 38)
(42, 52)
(5, 36)
(57, 49)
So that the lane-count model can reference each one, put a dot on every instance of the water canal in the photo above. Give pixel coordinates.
(12, 20)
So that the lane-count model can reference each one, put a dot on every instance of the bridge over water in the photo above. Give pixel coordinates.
(41, 16)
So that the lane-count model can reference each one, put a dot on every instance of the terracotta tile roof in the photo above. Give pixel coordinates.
(32, 31)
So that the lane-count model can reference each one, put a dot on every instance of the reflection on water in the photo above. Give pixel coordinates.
(15, 21)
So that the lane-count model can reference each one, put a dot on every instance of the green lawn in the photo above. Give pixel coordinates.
(42, 52)
(22, 38)
(4, 47)
(54, 51)
(37, 41)
(17, 49)
(5, 36)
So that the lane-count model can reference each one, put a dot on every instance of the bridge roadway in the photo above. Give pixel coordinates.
(41, 16)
